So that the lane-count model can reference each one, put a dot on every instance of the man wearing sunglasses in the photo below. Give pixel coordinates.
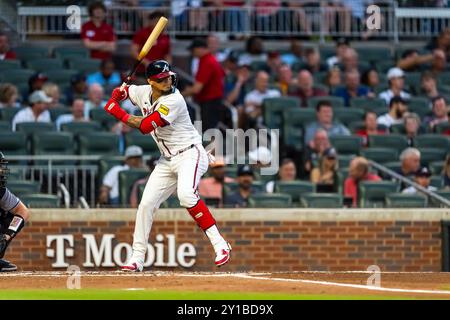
(183, 159)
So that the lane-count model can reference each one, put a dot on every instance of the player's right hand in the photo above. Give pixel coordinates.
(119, 95)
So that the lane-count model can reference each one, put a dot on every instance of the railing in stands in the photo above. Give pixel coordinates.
(315, 22)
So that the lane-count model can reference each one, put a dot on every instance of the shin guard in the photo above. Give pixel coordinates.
(202, 215)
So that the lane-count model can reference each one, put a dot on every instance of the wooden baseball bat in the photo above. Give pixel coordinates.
(157, 30)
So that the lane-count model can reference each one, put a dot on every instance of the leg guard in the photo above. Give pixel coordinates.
(202, 215)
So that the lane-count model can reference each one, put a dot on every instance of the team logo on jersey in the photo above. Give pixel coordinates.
(163, 109)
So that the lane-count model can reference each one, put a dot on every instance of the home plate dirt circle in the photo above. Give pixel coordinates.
(434, 285)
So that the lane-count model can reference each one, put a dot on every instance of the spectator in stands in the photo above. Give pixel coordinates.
(441, 42)
(213, 44)
(106, 77)
(208, 87)
(239, 199)
(109, 191)
(97, 35)
(370, 127)
(9, 96)
(5, 51)
(312, 61)
(446, 172)
(254, 51)
(300, 16)
(342, 44)
(423, 178)
(266, 13)
(397, 108)
(315, 149)
(36, 82)
(95, 99)
(306, 89)
(77, 114)
(134, 194)
(295, 54)
(440, 110)
(52, 91)
(254, 99)
(287, 172)
(428, 85)
(78, 88)
(273, 62)
(349, 60)
(333, 79)
(370, 79)
(412, 61)
(439, 64)
(411, 121)
(358, 171)
(396, 79)
(284, 79)
(212, 187)
(410, 162)
(234, 15)
(325, 172)
(160, 50)
(352, 88)
(235, 86)
(37, 112)
(324, 112)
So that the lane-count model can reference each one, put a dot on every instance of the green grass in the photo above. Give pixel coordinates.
(94, 294)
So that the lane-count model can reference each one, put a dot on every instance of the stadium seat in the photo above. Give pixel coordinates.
(294, 188)
(319, 77)
(107, 162)
(394, 141)
(432, 140)
(398, 128)
(41, 200)
(436, 203)
(232, 187)
(336, 102)
(372, 194)
(401, 200)
(20, 188)
(256, 66)
(5, 126)
(19, 76)
(53, 143)
(60, 76)
(63, 53)
(13, 143)
(348, 115)
(346, 144)
(436, 167)
(428, 155)
(273, 109)
(7, 114)
(367, 103)
(231, 171)
(146, 142)
(77, 128)
(99, 143)
(103, 118)
(33, 128)
(442, 127)
(9, 66)
(126, 180)
(373, 54)
(394, 166)
(384, 66)
(437, 181)
(58, 111)
(321, 200)
(26, 52)
(412, 81)
(43, 65)
(345, 159)
(83, 65)
(270, 200)
(380, 155)
(294, 123)
(419, 105)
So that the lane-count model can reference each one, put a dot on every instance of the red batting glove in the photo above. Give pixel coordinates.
(120, 95)
(114, 109)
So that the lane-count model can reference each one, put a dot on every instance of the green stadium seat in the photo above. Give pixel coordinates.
(326, 52)
(394, 166)
(398, 128)
(319, 77)
(41, 200)
(171, 202)
(348, 115)
(61, 76)
(384, 66)
(273, 109)
(401, 200)
(146, 142)
(102, 117)
(20, 188)
(373, 54)
(44, 65)
(436, 167)
(126, 180)
(437, 181)
(443, 193)
(13, 143)
(294, 123)
(344, 160)
(26, 52)
(355, 126)
(322, 200)
(336, 102)
(428, 155)
(432, 140)
(9, 65)
(19, 76)
(58, 111)
(232, 187)
(346, 144)
(367, 103)
(231, 171)
(83, 65)
(412, 80)
(63, 53)
(33, 128)
(270, 200)
(53, 143)
(294, 188)
(419, 105)
(380, 155)
(372, 194)
(442, 127)
(106, 163)
(256, 66)
(395, 141)
(99, 143)
(77, 128)
(7, 114)
(5, 126)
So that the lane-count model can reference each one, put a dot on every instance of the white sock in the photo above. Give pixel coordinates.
(215, 237)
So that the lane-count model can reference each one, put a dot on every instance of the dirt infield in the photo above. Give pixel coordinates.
(402, 285)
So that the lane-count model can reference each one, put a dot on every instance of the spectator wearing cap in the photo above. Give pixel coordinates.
(422, 178)
(160, 50)
(78, 88)
(358, 171)
(9, 96)
(295, 54)
(212, 187)
(208, 87)
(325, 172)
(412, 61)
(254, 52)
(370, 127)
(109, 191)
(397, 108)
(342, 45)
(353, 88)
(396, 79)
(312, 61)
(305, 88)
(76, 115)
(324, 114)
(239, 199)
(254, 99)
(36, 82)
(5, 51)
(97, 35)
(439, 109)
(37, 112)
(107, 77)
(94, 99)
(134, 194)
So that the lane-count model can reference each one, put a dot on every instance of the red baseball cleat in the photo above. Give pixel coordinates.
(132, 267)
(223, 255)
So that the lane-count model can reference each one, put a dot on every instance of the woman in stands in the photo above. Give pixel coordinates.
(325, 173)
(287, 172)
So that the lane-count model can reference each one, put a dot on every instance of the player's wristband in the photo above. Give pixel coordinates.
(113, 108)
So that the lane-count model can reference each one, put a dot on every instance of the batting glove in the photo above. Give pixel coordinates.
(120, 95)
(114, 109)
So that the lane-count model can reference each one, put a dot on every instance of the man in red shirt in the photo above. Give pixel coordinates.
(358, 171)
(159, 51)
(5, 52)
(208, 88)
(97, 35)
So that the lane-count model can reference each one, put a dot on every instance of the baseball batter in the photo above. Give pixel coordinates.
(183, 159)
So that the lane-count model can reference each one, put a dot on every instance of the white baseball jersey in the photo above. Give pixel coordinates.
(180, 133)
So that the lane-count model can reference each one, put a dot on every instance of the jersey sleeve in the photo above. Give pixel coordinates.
(170, 108)
(8, 201)
(133, 93)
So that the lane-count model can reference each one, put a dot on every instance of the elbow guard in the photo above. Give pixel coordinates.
(150, 123)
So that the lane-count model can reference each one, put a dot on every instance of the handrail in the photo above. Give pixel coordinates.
(409, 182)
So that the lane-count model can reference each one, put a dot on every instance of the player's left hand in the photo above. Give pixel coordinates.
(119, 95)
